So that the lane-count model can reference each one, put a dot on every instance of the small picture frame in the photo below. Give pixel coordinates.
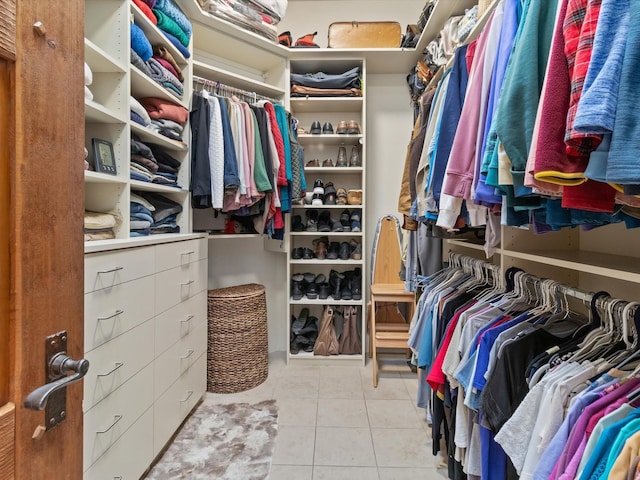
(103, 157)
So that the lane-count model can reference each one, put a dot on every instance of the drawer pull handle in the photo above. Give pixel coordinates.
(119, 477)
(190, 252)
(115, 314)
(189, 353)
(188, 319)
(118, 365)
(115, 269)
(185, 284)
(117, 418)
(189, 393)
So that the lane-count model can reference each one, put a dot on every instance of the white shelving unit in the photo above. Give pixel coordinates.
(326, 146)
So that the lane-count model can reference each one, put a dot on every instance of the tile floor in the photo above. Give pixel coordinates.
(333, 425)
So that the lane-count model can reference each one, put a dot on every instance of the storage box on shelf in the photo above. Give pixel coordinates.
(334, 163)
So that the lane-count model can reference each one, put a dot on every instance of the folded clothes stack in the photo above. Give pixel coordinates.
(99, 225)
(153, 213)
(150, 163)
(324, 84)
(167, 118)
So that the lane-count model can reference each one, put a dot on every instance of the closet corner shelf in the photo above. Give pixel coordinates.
(99, 60)
(144, 86)
(94, 112)
(330, 139)
(155, 35)
(326, 104)
(326, 262)
(97, 177)
(96, 246)
(378, 60)
(216, 74)
(149, 135)
(469, 245)
(612, 266)
(154, 187)
(439, 15)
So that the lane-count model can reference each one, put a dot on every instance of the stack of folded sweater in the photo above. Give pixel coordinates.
(138, 113)
(167, 118)
(174, 24)
(159, 211)
(99, 226)
(150, 163)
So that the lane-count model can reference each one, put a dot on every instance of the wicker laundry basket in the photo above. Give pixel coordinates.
(237, 345)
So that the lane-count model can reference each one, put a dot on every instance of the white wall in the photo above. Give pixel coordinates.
(389, 122)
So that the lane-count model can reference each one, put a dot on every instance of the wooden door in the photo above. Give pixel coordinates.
(41, 219)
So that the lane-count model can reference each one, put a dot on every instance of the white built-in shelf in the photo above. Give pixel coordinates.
(154, 187)
(612, 266)
(155, 35)
(216, 74)
(322, 207)
(302, 355)
(469, 245)
(379, 60)
(220, 236)
(329, 234)
(330, 139)
(326, 262)
(326, 301)
(148, 135)
(333, 170)
(96, 113)
(144, 86)
(94, 246)
(99, 60)
(97, 177)
(442, 10)
(322, 105)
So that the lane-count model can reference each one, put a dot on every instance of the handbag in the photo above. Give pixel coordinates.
(350, 342)
(364, 35)
(327, 341)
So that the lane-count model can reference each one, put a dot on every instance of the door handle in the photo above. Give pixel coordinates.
(60, 364)
(52, 396)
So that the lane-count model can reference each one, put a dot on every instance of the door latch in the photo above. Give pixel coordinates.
(52, 397)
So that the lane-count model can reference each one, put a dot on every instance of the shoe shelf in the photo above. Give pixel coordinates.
(329, 234)
(329, 207)
(148, 135)
(144, 86)
(328, 261)
(325, 301)
(96, 113)
(326, 104)
(330, 139)
(309, 356)
(97, 177)
(333, 170)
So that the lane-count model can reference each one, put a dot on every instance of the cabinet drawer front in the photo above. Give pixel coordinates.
(106, 422)
(110, 312)
(106, 269)
(179, 284)
(178, 359)
(176, 403)
(180, 321)
(115, 362)
(176, 254)
(130, 456)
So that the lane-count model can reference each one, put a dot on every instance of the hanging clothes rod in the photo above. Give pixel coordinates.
(224, 90)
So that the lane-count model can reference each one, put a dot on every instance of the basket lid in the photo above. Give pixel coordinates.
(245, 290)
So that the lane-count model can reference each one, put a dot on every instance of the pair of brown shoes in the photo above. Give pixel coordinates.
(348, 128)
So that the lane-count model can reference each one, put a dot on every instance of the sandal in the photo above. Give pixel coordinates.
(341, 196)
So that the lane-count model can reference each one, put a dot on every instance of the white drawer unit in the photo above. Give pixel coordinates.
(106, 422)
(146, 340)
(113, 363)
(110, 312)
(130, 456)
(180, 321)
(179, 358)
(106, 269)
(179, 284)
(177, 254)
(175, 404)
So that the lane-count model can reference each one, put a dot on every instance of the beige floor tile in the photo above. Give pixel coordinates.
(294, 446)
(302, 386)
(409, 474)
(342, 413)
(411, 383)
(388, 389)
(402, 448)
(344, 447)
(341, 387)
(291, 472)
(392, 414)
(300, 412)
(345, 473)
(341, 372)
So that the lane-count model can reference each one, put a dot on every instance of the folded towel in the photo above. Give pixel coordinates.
(137, 62)
(90, 235)
(140, 43)
(88, 75)
(161, 108)
(162, 75)
(167, 24)
(137, 107)
(171, 10)
(176, 43)
(146, 9)
(162, 52)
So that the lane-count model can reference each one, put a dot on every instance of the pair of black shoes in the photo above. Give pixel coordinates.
(346, 285)
(326, 129)
(304, 332)
(302, 253)
(341, 250)
(310, 285)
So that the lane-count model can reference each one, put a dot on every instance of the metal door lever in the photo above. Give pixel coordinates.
(60, 364)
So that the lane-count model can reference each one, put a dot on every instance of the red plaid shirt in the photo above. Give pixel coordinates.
(579, 31)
